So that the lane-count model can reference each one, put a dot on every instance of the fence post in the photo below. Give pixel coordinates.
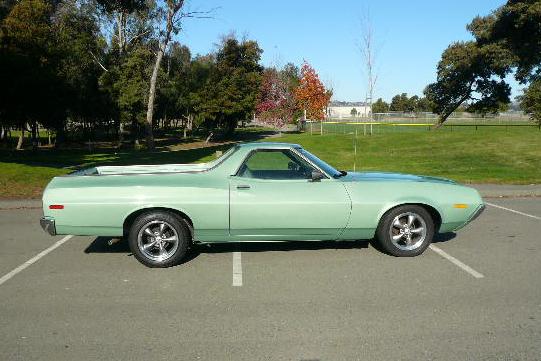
(370, 128)
(355, 150)
(311, 128)
(321, 125)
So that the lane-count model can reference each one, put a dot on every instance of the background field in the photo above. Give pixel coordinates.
(489, 154)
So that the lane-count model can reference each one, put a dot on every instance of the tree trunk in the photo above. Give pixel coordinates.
(174, 7)
(121, 29)
(34, 136)
(60, 136)
(443, 117)
(151, 96)
(439, 123)
(120, 133)
(21, 138)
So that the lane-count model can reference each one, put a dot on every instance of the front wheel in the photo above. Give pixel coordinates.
(405, 231)
(158, 239)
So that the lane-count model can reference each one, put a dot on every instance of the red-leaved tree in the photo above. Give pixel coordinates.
(311, 94)
(276, 104)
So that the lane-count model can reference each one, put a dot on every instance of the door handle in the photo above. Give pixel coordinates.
(243, 186)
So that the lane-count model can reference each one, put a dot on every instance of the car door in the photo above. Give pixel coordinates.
(273, 197)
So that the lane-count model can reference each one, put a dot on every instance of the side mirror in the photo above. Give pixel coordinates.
(317, 176)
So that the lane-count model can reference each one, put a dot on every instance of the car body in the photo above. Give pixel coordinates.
(250, 194)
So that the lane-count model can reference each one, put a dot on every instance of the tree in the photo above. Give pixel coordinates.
(473, 73)
(173, 99)
(380, 107)
(231, 91)
(276, 102)
(78, 34)
(506, 40)
(516, 27)
(530, 101)
(353, 112)
(311, 94)
(170, 26)
(131, 88)
(400, 103)
(424, 105)
(31, 89)
(126, 25)
(367, 49)
(5, 7)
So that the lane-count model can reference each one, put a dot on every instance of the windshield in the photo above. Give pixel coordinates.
(320, 164)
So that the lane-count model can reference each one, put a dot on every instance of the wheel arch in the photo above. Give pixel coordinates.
(130, 218)
(434, 212)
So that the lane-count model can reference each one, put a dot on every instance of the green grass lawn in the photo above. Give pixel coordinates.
(488, 155)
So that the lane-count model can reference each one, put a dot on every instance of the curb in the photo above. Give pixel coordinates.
(20, 204)
(507, 190)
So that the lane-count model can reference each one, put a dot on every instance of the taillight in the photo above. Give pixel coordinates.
(56, 206)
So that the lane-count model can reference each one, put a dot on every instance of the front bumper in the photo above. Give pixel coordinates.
(48, 225)
(474, 216)
(477, 213)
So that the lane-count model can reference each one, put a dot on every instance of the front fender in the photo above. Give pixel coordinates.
(371, 200)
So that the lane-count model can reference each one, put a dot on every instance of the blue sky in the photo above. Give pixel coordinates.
(410, 37)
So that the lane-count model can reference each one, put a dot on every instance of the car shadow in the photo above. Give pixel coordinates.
(116, 245)
(119, 245)
(444, 237)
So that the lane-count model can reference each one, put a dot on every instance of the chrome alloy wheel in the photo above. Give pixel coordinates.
(157, 240)
(408, 231)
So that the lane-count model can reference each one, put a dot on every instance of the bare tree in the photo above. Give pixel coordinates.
(367, 49)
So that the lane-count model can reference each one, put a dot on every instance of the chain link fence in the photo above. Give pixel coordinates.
(414, 122)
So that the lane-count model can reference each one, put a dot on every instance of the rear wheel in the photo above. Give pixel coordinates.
(405, 231)
(159, 239)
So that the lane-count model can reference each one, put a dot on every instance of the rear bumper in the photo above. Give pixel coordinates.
(48, 225)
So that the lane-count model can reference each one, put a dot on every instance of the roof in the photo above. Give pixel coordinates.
(269, 145)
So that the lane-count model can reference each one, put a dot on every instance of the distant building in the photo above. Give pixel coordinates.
(338, 109)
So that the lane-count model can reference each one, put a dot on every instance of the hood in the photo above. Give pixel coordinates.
(397, 177)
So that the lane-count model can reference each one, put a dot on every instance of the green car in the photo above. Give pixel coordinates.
(254, 192)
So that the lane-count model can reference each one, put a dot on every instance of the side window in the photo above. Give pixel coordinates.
(275, 164)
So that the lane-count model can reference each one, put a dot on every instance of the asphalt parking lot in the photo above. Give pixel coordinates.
(475, 296)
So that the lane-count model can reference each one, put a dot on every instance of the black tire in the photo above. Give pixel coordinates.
(383, 232)
(175, 223)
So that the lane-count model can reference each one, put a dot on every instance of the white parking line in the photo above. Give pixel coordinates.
(33, 260)
(512, 210)
(237, 269)
(456, 262)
